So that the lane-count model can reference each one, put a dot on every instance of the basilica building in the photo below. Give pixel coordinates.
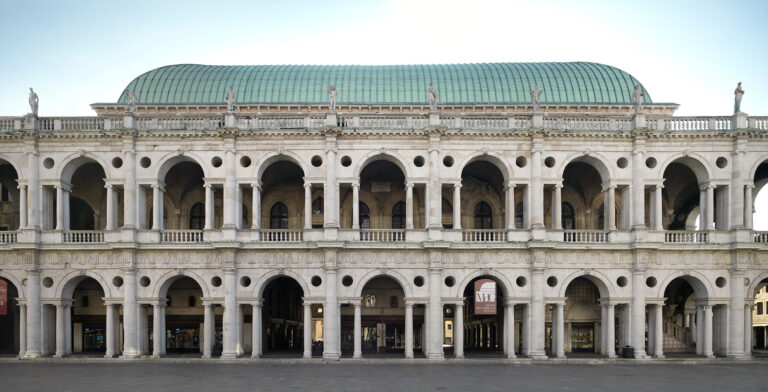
(518, 210)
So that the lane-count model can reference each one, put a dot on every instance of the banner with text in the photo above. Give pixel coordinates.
(3, 298)
(485, 297)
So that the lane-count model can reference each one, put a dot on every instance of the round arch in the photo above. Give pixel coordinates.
(752, 171)
(506, 285)
(268, 277)
(754, 284)
(67, 284)
(699, 282)
(14, 281)
(268, 159)
(14, 164)
(394, 275)
(597, 278)
(165, 282)
(170, 160)
(491, 157)
(73, 162)
(695, 162)
(389, 156)
(597, 161)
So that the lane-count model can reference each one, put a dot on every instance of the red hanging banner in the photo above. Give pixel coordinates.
(3, 298)
(485, 297)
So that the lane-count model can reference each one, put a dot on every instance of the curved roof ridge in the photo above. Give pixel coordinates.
(456, 83)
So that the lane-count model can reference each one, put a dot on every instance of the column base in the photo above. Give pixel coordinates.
(740, 357)
(31, 356)
(509, 356)
(435, 356)
(129, 356)
(539, 357)
(358, 355)
(331, 356)
(611, 356)
(255, 356)
(228, 355)
(160, 356)
(409, 356)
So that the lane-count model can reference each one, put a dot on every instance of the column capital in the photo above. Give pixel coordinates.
(509, 185)
(457, 185)
(158, 185)
(659, 186)
(355, 184)
(256, 185)
(66, 187)
(22, 186)
(749, 186)
(308, 185)
(609, 187)
(559, 185)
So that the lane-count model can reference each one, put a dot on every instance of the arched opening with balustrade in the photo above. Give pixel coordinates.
(758, 201)
(9, 317)
(585, 191)
(87, 200)
(184, 190)
(687, 323)
(283, 196)
(9, 198)
(483, 196)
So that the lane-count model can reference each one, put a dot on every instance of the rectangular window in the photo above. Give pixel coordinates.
(759, 308)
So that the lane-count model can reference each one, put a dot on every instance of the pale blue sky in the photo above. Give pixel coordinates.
(75, 53)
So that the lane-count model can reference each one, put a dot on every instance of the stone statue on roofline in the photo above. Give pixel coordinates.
(738, 93)
(34, 101)
(432, 98)
(231, 97)
(637, 98)
(130, 101)
(332, 94)
(535, 94)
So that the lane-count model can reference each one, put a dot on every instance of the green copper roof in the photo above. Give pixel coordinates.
(482, 83)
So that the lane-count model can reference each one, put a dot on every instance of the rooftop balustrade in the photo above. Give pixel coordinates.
(384, 121)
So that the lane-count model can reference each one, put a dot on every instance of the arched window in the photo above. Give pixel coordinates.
(84, 301)
(168, 300)
(398, 215)
(197, 217)
(519, 216)
(393, 301)
(191, 301)
(569, 223)
(369, 301)
(317, 206)
(278, 216)
(483, 218)
(364, 216)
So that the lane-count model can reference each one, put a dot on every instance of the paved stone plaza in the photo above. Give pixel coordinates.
(380, 376)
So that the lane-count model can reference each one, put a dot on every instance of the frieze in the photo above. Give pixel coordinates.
(594, 258)
(693, 259)
(280, 258)
(378, 258)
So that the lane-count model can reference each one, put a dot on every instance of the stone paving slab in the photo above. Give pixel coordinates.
(379, 375)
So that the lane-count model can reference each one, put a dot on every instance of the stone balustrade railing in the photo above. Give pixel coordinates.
(567, 123)
(761, 237)
(585, 236)
(382, 235)
(8, 237)
(486, 235)
(281, 235)
(686, 237)
(82, 236)
(181, 236)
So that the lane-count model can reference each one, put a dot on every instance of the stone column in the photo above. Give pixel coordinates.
(130, 189)
(331, 315)
(457, 206)
(536, 207)
(509, 329)
(307, 205)
(707, 338)
(408, 330)
(734, 205)
(509, 205)
(307, 330)
(658, 334)
(208, 206)
(22, 330)
(609, 208)
(559, 328)
(637, 190)
(435, 326)
(748, 206)
(158, 329)
(658, 221)
(157, 206)
(610, 330)
(33, 205)
(358, 353)
(230, 191)
(748, 329)
(638, 313)
(60, 331)
(256, 206)
(409, 205)
(331, 204)
(111, 208)
(699, 330)
(34, 310)
(736, 330)
(60, 207)
(434, 189)
(458, 330)
(130, 339)
(256, 352)
(709, 212)
(536, 315)
(230, 315)
(355, 205)
(23, 207)
(110, 331)
(557, 207)
(142, 326)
